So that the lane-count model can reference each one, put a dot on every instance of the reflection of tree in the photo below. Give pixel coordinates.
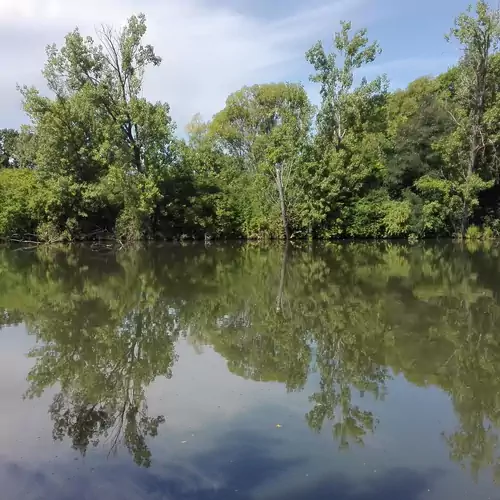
(247, 319)
(84, 422)
(103, 340)
(343, 371)
(363, 311)
(355, 314)
(103, 369)
(269, 316)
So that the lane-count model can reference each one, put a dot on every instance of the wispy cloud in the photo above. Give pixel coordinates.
(208, 52)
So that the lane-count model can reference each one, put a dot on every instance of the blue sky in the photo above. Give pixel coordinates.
(412, 36)
(213, 47)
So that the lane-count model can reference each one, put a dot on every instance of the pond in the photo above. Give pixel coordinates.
(345, 371)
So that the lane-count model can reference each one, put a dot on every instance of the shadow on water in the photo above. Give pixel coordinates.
(105, 327)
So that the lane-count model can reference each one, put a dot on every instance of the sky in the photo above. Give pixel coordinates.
(211, 48)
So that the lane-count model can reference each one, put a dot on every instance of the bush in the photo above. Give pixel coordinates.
(129, 225)
(473, 233)
(48, 232)
(493, 224)
(397, 218)
(366, 218)
(488, 234)
(412, 238)
(19, 191)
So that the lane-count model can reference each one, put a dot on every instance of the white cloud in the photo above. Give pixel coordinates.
(207, 52)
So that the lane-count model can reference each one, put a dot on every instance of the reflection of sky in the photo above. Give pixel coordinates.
(220, 440)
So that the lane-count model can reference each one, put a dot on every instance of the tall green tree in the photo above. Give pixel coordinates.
(265, 129)
(335, 74)
(350, 123)
(109, 143)
(471, 150)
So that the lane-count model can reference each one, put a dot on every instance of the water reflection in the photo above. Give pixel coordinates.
(351, 317)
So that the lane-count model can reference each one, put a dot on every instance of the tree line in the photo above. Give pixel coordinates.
(99, 160)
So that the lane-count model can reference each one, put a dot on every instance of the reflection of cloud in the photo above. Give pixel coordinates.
(240, 453)
(394, 484)
(193, 401)
(235, 447)
(22, 423)
(242, 481)
(240, 462)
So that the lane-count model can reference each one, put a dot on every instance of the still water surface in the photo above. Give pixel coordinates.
(349, 372)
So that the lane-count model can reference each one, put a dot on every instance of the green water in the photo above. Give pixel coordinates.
(350, 371)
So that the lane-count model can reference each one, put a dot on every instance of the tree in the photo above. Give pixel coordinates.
(341, 100)
(417, 119)
(202, 197)
(21, 201)
(347, 153)
(265, 128)
(99, 133)
(8, 140)
(287, 132)
(471, 149)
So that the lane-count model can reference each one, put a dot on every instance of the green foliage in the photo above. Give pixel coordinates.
(341, 102)
(417, 119)
(377, 164)
(488, 234)
(397, 218)
(19, 202)
(347, 159)
(8, 147)
(265, 129)
(470, 150)
(473, 233)
(102, 149)
(367, 216)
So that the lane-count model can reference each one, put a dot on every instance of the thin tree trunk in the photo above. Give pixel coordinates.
(281, 193)
(465, 219)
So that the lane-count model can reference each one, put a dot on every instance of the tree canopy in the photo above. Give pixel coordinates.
(99, 160)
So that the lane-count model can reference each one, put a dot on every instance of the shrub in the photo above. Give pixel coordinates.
(412, 238)
(48, 232)
(473, 233)
(19, 191)
(397, 218)
(488, 234)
